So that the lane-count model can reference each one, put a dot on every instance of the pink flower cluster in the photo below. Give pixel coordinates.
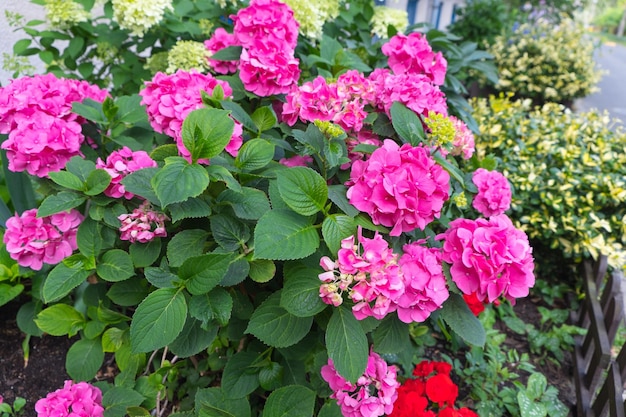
(73, 400)
(121, 163)
(399, 187)
(33, 241)
(413, 55)
(170, 98)
(372, 395)
(494, 192)
(268, 33)
(463, 144)
(378, 283)
(143, 224)
(489, 257)
(36, 112)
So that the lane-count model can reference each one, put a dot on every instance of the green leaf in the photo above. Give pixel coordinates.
(60, 320)
(140, 183)
(80, 167)
(249, 203)
(407, 124)
(254, 154)
(160, 278)
(337, 194)
(219, 173)
(145, 254)
(203, 273)
(296, 238)
(26, 318)
(330, 409)
(63, 201)
(215, 305)
(158, 320)
(290, 401)
(90, 110)
(262, 270)
(185, 244)
(237, 272)
(211, 402)
(230, 233)
(89, 237)
(335, 228)
(115, 265)
(230, 53)
(130, 110)
(240, 377)
(452, 170)
(192, 208)
(391, 336)
(530, 408)
(303, 189)
(271, 376)
(97, 181)
(346, 343)
(206, 132)
(536, 386)
(62, 280)
(20, 46)
(178, 180)
(117, 399)
(19, 186)
(239, 114)
(264, 118)
(67, 180)
(9, 292)
(462, 321)
(84, 358)
(193, 339)
(128, 293)
(301, 292)
(275, 326)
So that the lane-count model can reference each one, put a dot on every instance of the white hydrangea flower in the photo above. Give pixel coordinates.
(312, 15)
(188, 55)
(63, 14)
(386, 16)
(139, 16)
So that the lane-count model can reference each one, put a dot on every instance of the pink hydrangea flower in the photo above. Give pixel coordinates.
(425, 287)
(494, 192)
(463, 143)
(266, 72)
(365, 137)
(372, 395)
(36, 113)
(314, 100)
(143, 224)
(297, 161)
(170, 98)
(121, 163)
(33, 241)
(412, 54)
(220, 40)
(73, 400)
(270, 20)
(489, 257)
(399, 187)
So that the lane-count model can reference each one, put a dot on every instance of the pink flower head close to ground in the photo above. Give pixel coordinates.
(36, 113)
(494, 192)
(73, 400)
(399, 187)
(143, 224)
(33, 241)
(489, 257)
(372, 395)
(121, 163)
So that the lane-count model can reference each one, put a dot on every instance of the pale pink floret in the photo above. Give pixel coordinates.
(399, 187)
(373, 394)
(489, 257)
(412, 54)
(143, 224)
(33, 241)
(494, 192)
(265, 71)
(270, 20)
(121, 163)
(220, 40)
(73, 400)
(463, 143)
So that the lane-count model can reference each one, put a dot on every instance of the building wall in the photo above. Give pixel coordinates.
(439, 13)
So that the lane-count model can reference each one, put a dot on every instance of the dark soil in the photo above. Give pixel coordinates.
(45, 370)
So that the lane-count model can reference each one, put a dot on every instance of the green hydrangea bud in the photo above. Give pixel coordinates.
(63, 14)
(329, 129)
(188, 55)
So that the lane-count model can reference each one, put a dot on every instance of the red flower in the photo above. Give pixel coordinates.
(441, 390)
(461, 412)
(474, 304)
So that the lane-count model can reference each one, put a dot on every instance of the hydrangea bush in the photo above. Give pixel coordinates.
(270, 234)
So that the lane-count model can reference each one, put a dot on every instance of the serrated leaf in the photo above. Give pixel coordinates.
(290, 401)
(451, 169)
(97, 181)
(239, 378)
(89, 237)
(185, 244)
(347, 344)
(158, 320)
(89, 109)
(296, 238)
(337, 194)
(219, 173)
(230, 233)
(145, 254)
(206, 132)
(211, 402)
(115, 265)
(275, 326)
(462, 321)
(239, 114)
(193, 339)
(83, 359)
(262, 270)
(407, 124)
(178, 180)
(249, 203)
(301, 292)
(335, 228)
(128, 293)
(303, 189)
(215, 305)
(192, 208)
(230, 53)
(67, 180)
(391, 336)
(160, 278)
(60, 320)
(80, 167)
(117, 399)
(56, 203)
(62, 280)
(203, 273)
(254, 154)
(140, 183)
(264, 118)
(330, 409)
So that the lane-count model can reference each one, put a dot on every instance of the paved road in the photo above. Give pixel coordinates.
(610, 57)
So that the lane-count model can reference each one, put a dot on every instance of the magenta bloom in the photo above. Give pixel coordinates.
(33, 241)
(373, 394)
(412, 54)
(121, 163)
(265, 71)
(73, 400)
(297, 161)
(170, 98)
(489, 257)
(314, 100)
(36, 112)
(494, 192)
(269, 20)
(143, 224)
(425, 287)
(220, 40)
(399, 187)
